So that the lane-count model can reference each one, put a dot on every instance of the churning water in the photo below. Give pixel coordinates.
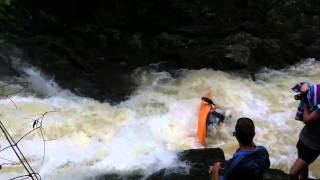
(86, 138)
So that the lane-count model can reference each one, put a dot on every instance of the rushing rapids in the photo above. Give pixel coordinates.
(85, 138)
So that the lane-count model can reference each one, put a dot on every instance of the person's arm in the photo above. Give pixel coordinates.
(309, 117)
(214, 171)
(213, 108)
(216, 176)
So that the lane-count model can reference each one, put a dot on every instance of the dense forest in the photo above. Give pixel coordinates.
(89, 42)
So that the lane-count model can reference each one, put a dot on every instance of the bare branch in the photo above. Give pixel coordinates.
(23, 84)
(13, 103)
(5, 148)
(44, 145)
(37, 126)
(8, 160)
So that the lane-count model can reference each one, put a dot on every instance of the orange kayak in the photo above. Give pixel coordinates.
(202, 122)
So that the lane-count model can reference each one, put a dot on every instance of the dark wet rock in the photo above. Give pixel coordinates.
(252, 52)
(198, 161)
(123, 176)
(268, 52)
(275, 174)
(172, 41)
(73, 67)
(313, 50)
(8, 54)
(304, 37)
(6, 68)
(239, 53)
(240, 48)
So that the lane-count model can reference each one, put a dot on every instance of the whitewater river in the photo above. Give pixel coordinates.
(86, 138)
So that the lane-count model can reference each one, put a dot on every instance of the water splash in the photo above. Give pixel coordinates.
(146, 131)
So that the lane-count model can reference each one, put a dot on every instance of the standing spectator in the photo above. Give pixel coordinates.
(309, 139)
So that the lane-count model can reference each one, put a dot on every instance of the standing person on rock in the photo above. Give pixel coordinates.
(309, 139)
(249, 162)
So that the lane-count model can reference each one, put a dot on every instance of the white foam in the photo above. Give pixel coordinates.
(279, 119)
(157, 121)
(40, 84)
(69, 152)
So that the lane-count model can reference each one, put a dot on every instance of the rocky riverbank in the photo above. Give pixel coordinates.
(92, 47)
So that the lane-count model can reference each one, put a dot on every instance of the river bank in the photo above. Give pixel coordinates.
(92, 48)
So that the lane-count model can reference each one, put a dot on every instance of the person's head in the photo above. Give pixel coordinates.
(244, 131)
(304, 87)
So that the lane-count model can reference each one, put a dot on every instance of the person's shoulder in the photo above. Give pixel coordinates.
(260, 147)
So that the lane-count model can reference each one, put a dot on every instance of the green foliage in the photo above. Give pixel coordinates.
(297, 6)
(3, 5)
(5, 2)
(5, 16)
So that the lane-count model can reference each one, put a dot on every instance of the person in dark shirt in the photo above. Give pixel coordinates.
(309, 139)
(214, 118)
(249, 162)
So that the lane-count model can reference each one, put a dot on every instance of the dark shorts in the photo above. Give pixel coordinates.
(305, 153)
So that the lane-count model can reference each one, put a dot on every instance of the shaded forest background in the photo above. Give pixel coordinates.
(92, 47)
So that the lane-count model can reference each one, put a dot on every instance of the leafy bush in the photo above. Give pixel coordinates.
(297, 6)
(5, 2)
